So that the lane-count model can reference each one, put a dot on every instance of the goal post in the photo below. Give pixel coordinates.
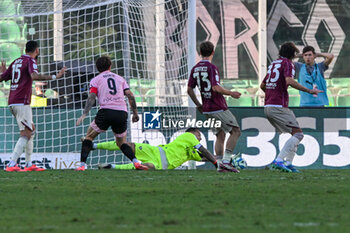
(191, 61)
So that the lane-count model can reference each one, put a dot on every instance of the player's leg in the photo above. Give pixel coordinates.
(86, 147)
(219, 143)
(18, 150)
(230, 125)
(291, 147)
(224, 165)
(111, 146)
(30, 144)
(235, 133)
(28, 153)
(99, 125)
(129, 166)
(29, 149)
(119, 122)
(283, 119)
(128, 151)
(24, 124)
(147, 154)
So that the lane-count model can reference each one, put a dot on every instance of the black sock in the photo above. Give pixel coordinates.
(127, 151)
(86, 147)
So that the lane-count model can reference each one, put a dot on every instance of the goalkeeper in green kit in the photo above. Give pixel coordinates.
(184, 148)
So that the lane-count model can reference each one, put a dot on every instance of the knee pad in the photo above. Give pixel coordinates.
(299, 136)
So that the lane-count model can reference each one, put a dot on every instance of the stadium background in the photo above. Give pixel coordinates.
(323, 24)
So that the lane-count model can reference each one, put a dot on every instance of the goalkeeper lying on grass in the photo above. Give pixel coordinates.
(184, 148)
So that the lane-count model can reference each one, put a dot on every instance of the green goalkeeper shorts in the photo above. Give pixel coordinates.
(148, 154)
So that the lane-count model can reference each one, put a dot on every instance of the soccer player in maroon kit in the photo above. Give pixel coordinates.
(205, 75)
(22, 72)
(279, 76)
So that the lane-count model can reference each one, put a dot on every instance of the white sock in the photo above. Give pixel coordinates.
(191, 165)
(135, 160)
(19, 148)
(227, 156)
(113, 166)
(287, 163)
(218, 161)
(94, 146)
(29, 151)
(83, 164)
(291, 154)
(12, 163)
(289, 149)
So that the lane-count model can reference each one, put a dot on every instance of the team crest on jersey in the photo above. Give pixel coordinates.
(151, 120)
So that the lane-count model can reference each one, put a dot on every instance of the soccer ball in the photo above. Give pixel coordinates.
(239, 163)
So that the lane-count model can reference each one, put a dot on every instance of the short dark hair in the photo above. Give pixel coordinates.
(31, 46)
(288, 50)
(308, 48)
(103, 63)
(206, 48)
(191, 130)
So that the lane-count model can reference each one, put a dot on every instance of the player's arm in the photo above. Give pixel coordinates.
(224, 91)
(193, 97)
(290, 81)
(132, 102)
(2, 69)
(89, 104)
(191, 85)
(215, 85)
(40, 77)
(263, 86)
(205, 153)
(298, 55)
(327, 56)
(4, 73)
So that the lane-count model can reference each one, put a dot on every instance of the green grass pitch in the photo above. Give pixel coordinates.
(175, 201)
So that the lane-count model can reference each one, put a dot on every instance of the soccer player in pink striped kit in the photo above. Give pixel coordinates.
(111, 90)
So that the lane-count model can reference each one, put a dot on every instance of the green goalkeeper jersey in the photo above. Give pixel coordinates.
(182, 149)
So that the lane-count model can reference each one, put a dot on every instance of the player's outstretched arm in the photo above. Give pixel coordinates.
(224, 91)
(223, 166)
(205, 153)
(290, 81)
(89, 104)
(39, 77)
(132, 102)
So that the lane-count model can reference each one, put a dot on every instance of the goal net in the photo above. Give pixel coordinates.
(147, 42)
